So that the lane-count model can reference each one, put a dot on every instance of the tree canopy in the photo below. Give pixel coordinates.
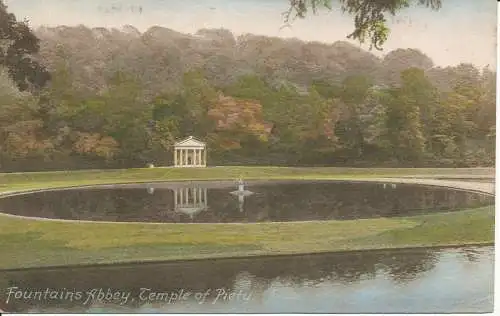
(253, 99)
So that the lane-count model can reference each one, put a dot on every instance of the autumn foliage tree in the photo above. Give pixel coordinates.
(236, 121)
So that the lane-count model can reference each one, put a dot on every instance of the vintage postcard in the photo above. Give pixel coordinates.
(247, 156)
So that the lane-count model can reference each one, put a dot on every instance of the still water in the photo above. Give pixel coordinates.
(400, 281)
(226, 202)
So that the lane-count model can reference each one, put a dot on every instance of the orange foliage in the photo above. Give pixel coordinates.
(23, 138)
(238, 117)
(102, 146)
(231, 113)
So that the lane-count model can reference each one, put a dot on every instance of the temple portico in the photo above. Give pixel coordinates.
(190, 152)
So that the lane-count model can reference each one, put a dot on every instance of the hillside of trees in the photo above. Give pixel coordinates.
(120, 98)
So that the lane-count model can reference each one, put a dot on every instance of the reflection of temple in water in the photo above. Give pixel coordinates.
(190, 200)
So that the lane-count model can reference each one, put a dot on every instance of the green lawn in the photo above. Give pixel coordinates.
(32, 243)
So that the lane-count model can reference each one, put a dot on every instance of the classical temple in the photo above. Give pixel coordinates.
(190, 152)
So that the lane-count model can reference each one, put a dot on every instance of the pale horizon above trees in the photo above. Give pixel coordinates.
(416, 27)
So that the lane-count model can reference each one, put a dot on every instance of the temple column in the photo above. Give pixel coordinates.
(175, 157)
(200, 160)
(204, 157)
(175, 197)
(185, 157)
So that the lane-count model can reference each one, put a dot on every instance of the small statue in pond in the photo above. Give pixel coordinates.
(241, 189)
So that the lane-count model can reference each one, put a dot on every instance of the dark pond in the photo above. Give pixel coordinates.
(205, 202)
(399, 281)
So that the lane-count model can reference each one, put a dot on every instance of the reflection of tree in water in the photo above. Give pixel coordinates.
(283, 202)
(406, 265)
(351, 201)
(256, 275)
(472, 254)
(252, 284)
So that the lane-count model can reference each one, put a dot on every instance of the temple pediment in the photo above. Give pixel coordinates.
(190, 142)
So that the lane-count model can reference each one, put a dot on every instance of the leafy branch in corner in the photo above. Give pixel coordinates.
(18, 48)
(370, 21)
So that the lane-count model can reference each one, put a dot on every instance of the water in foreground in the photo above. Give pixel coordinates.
(397, 281)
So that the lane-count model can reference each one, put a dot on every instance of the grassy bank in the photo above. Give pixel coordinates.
(31, 243)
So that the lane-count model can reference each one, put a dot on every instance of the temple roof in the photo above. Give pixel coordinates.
(190, 142)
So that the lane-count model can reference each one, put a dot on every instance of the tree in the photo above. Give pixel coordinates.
(449, 129)
(22, 134)
(95, 144)
(169, 113)
(398, 61)
(18, 45)
(353, 94)
(420, 90)
(369, 15)
(197, 96)
(487, 112)
(405, 111)
(237, 121)
(316, 119)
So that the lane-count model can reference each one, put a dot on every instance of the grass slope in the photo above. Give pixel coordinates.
(29, 243)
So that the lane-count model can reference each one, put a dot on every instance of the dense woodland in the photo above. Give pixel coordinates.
(120, 98)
